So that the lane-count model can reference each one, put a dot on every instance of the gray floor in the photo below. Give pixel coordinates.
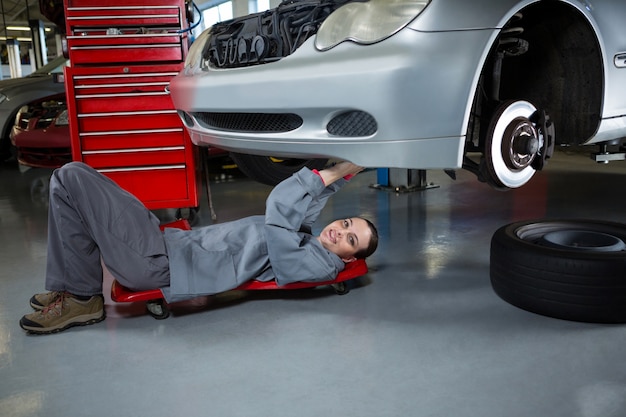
(423, 334)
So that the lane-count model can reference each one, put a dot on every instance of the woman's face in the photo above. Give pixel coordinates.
(346, 237)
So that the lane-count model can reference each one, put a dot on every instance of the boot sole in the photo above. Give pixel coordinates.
(84, 320)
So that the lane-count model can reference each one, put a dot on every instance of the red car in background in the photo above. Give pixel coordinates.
(41, 134)
(41, 139)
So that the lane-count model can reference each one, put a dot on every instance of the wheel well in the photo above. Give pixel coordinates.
(560, 72)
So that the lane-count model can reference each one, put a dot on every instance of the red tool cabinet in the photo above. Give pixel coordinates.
(122, 121)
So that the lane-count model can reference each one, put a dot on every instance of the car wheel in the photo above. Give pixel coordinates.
(513, 141)
(8, 152)
(271, 171)
(567, 269)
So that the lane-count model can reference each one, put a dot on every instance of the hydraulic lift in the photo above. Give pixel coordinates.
(402, 180)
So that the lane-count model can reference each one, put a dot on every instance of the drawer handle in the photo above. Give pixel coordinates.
(134, 75)
(131, 132)
(127, 36)
(98, 86)
(113, 95)
(150, 168)
(100, 8)
(131, 46)
(129, 113)
(125, 17)
(134, 150)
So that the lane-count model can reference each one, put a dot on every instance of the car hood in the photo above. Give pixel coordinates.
(14, 84)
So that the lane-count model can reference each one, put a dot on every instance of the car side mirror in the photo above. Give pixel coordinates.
(58, 77)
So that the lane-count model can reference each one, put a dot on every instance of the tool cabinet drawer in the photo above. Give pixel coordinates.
(124, 53)
(119, 139)
(132, 48)
(125, 83)
(118, 13)
(119, 74)
(140, 120)
(132, 157)
(127, 87)
(138, 36)
(123, 102)
(159, 187)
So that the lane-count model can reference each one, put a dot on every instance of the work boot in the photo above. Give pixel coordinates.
(67, 311)
(39, 301)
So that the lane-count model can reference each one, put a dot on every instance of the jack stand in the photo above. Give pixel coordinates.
(402, 180)
(605, 156)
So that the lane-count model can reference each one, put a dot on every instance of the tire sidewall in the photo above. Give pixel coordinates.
(262, 169)
(587, 286)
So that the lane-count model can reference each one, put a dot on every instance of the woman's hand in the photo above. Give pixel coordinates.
(340, 170)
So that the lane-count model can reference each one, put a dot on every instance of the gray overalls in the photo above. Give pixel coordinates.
(91, 217)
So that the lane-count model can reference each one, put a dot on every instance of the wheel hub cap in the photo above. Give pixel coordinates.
(520, 144)
(584, 240)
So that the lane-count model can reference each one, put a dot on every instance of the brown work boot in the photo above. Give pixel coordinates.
(67, 311)
(40, 301)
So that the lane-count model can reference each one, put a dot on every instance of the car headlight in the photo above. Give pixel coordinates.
(367, 23)
(195, 50)
(62, 119)
(20, 114)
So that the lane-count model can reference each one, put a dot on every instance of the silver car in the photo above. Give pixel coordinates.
(486, 85)
(16, 92)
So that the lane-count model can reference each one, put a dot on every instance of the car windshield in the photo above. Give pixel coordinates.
(56, 65)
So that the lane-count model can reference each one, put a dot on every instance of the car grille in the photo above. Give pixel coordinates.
(352, 123)
(44, 122)
(41, 113)
(249, 122)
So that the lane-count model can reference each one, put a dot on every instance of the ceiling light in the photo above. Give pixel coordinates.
(19, 38)
(24, 28)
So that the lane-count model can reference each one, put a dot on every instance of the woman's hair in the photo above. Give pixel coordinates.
(371, 248)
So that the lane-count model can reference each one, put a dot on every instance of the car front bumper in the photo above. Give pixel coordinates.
(417, 86)
(42, 149)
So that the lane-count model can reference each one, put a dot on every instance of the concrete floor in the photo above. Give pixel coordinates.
(423, 334)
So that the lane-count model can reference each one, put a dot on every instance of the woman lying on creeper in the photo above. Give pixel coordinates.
(92, 221)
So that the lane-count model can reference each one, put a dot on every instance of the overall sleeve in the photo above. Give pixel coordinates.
(297, 202)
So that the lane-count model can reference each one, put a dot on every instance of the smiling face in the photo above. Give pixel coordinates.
(346, 237)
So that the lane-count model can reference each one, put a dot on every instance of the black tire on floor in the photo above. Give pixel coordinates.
(271, 171)
(567, 269)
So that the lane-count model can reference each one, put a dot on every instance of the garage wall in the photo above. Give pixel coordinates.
(240, 7)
